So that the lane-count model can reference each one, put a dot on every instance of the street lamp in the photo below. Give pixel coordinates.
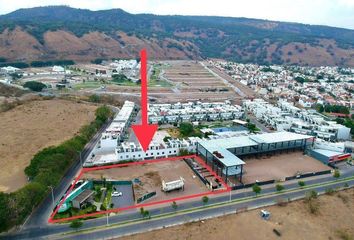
(80, 157)
(52, 195)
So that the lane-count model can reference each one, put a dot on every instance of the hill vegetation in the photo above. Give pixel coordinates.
(237, 39)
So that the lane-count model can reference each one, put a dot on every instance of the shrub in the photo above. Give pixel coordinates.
(205, 200)
(301, 183)
(336, 173)
(279, 187)
(35, 86)
(256, 189)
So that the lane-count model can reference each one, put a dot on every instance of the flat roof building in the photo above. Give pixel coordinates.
(224, 155)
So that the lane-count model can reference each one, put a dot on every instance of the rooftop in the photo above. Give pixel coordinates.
(278, 137)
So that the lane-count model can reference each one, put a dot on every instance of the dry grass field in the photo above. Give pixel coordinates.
(31, 127)
(333, 221)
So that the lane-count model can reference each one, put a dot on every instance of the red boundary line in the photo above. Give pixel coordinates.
(199, 160)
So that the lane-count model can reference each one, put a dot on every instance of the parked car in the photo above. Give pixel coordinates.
(117, 194)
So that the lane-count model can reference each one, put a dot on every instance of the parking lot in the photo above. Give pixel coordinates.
(127, 198)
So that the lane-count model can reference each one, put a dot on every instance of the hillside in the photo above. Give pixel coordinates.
(61, 32)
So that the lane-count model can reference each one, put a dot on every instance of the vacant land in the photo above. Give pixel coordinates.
(151, 175)
(334, 220)
(192, 82)
(280, 166)
(31, 127)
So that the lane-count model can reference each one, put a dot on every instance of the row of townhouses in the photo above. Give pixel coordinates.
(193, 111)
(287, 117)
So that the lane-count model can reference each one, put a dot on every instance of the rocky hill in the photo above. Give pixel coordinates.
(61, 32)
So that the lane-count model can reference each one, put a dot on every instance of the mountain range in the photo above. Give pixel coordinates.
(61, 32)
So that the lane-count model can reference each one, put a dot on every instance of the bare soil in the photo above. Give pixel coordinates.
(334, 221)
(279, 166)
(30, 127)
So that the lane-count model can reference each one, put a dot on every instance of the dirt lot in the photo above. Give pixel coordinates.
(31, 127)
(193, 82)
(151, 176)
(280, 166)
(293, 221)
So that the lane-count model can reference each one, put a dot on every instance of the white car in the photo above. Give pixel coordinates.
(117, 194)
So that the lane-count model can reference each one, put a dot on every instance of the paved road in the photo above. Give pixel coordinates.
(144, 226)
(48, 230)
(258, 124)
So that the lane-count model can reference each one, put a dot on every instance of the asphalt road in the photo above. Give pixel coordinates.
(51, 230)
(147, 225)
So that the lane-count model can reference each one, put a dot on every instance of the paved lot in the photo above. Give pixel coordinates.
(127, 199)
(280, 166)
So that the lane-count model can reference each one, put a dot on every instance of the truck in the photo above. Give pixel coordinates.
(173, 185)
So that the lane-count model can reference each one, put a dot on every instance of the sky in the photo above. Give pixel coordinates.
(338, 13)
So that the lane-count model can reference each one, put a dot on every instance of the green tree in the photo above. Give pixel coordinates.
(256, 189)
(5, 212)
(146, 214)
(279, 187)
(174, 205)
(34, 86)
(336, 173)
(76, 224)
(142, 210)
(205, 200)
(186, 129)
(320, 108)
(301, 183)
(94, 98)
(103, 113)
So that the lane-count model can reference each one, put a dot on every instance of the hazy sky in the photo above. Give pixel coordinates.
(338, 13)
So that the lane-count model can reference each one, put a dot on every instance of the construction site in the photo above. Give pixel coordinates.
(148, 183)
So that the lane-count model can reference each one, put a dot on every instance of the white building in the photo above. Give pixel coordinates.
(116, 130)
(290, 118)
(193, 111)
(9, 70)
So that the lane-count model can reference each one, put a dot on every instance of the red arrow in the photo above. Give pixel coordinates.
(144, 132)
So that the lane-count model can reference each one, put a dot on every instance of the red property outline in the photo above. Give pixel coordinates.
(84, 170)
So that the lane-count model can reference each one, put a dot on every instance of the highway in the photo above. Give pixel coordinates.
(267, 198)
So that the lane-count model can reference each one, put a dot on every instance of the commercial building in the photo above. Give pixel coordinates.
(224, 155)
(193, 111)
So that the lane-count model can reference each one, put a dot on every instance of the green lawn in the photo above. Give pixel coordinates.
(75, 212)
(155, 81)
